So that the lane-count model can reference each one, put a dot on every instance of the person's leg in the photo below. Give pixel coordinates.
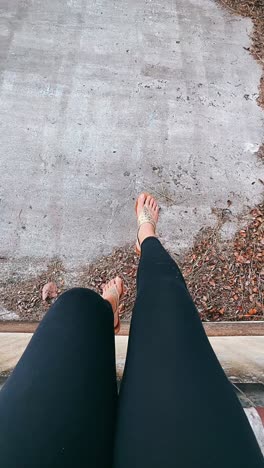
(176, 406)
(58, 407)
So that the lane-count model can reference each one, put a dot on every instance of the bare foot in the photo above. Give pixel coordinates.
(147, 229)
(112, 292)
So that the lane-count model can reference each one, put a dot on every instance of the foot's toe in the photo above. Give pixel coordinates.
(141, 202)
(153, 204)
(112, 292)
(119, 284)
(148, 201)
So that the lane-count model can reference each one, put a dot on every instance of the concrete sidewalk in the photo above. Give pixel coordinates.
(99, 101)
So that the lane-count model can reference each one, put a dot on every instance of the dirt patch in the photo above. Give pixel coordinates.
(25, 297)
(253, 9)
(225, 278)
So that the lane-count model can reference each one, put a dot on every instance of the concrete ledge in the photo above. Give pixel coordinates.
(242, 357)
(211, 328)
(12, 346)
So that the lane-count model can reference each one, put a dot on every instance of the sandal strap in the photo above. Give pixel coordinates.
(114, 292)
(145, 217)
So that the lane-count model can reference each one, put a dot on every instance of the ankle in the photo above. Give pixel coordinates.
(145, 231)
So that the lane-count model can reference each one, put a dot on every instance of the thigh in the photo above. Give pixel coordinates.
(58, 407)
(176, 406)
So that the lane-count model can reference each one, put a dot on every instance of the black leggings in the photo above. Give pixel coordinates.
(176, 407)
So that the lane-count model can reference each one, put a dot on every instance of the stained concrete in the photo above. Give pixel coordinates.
(100, 100)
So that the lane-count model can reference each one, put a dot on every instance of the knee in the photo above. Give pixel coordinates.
(78, 314)
(79, 296)
(80, 307)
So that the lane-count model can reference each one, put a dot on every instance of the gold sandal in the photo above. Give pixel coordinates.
(144, 217)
